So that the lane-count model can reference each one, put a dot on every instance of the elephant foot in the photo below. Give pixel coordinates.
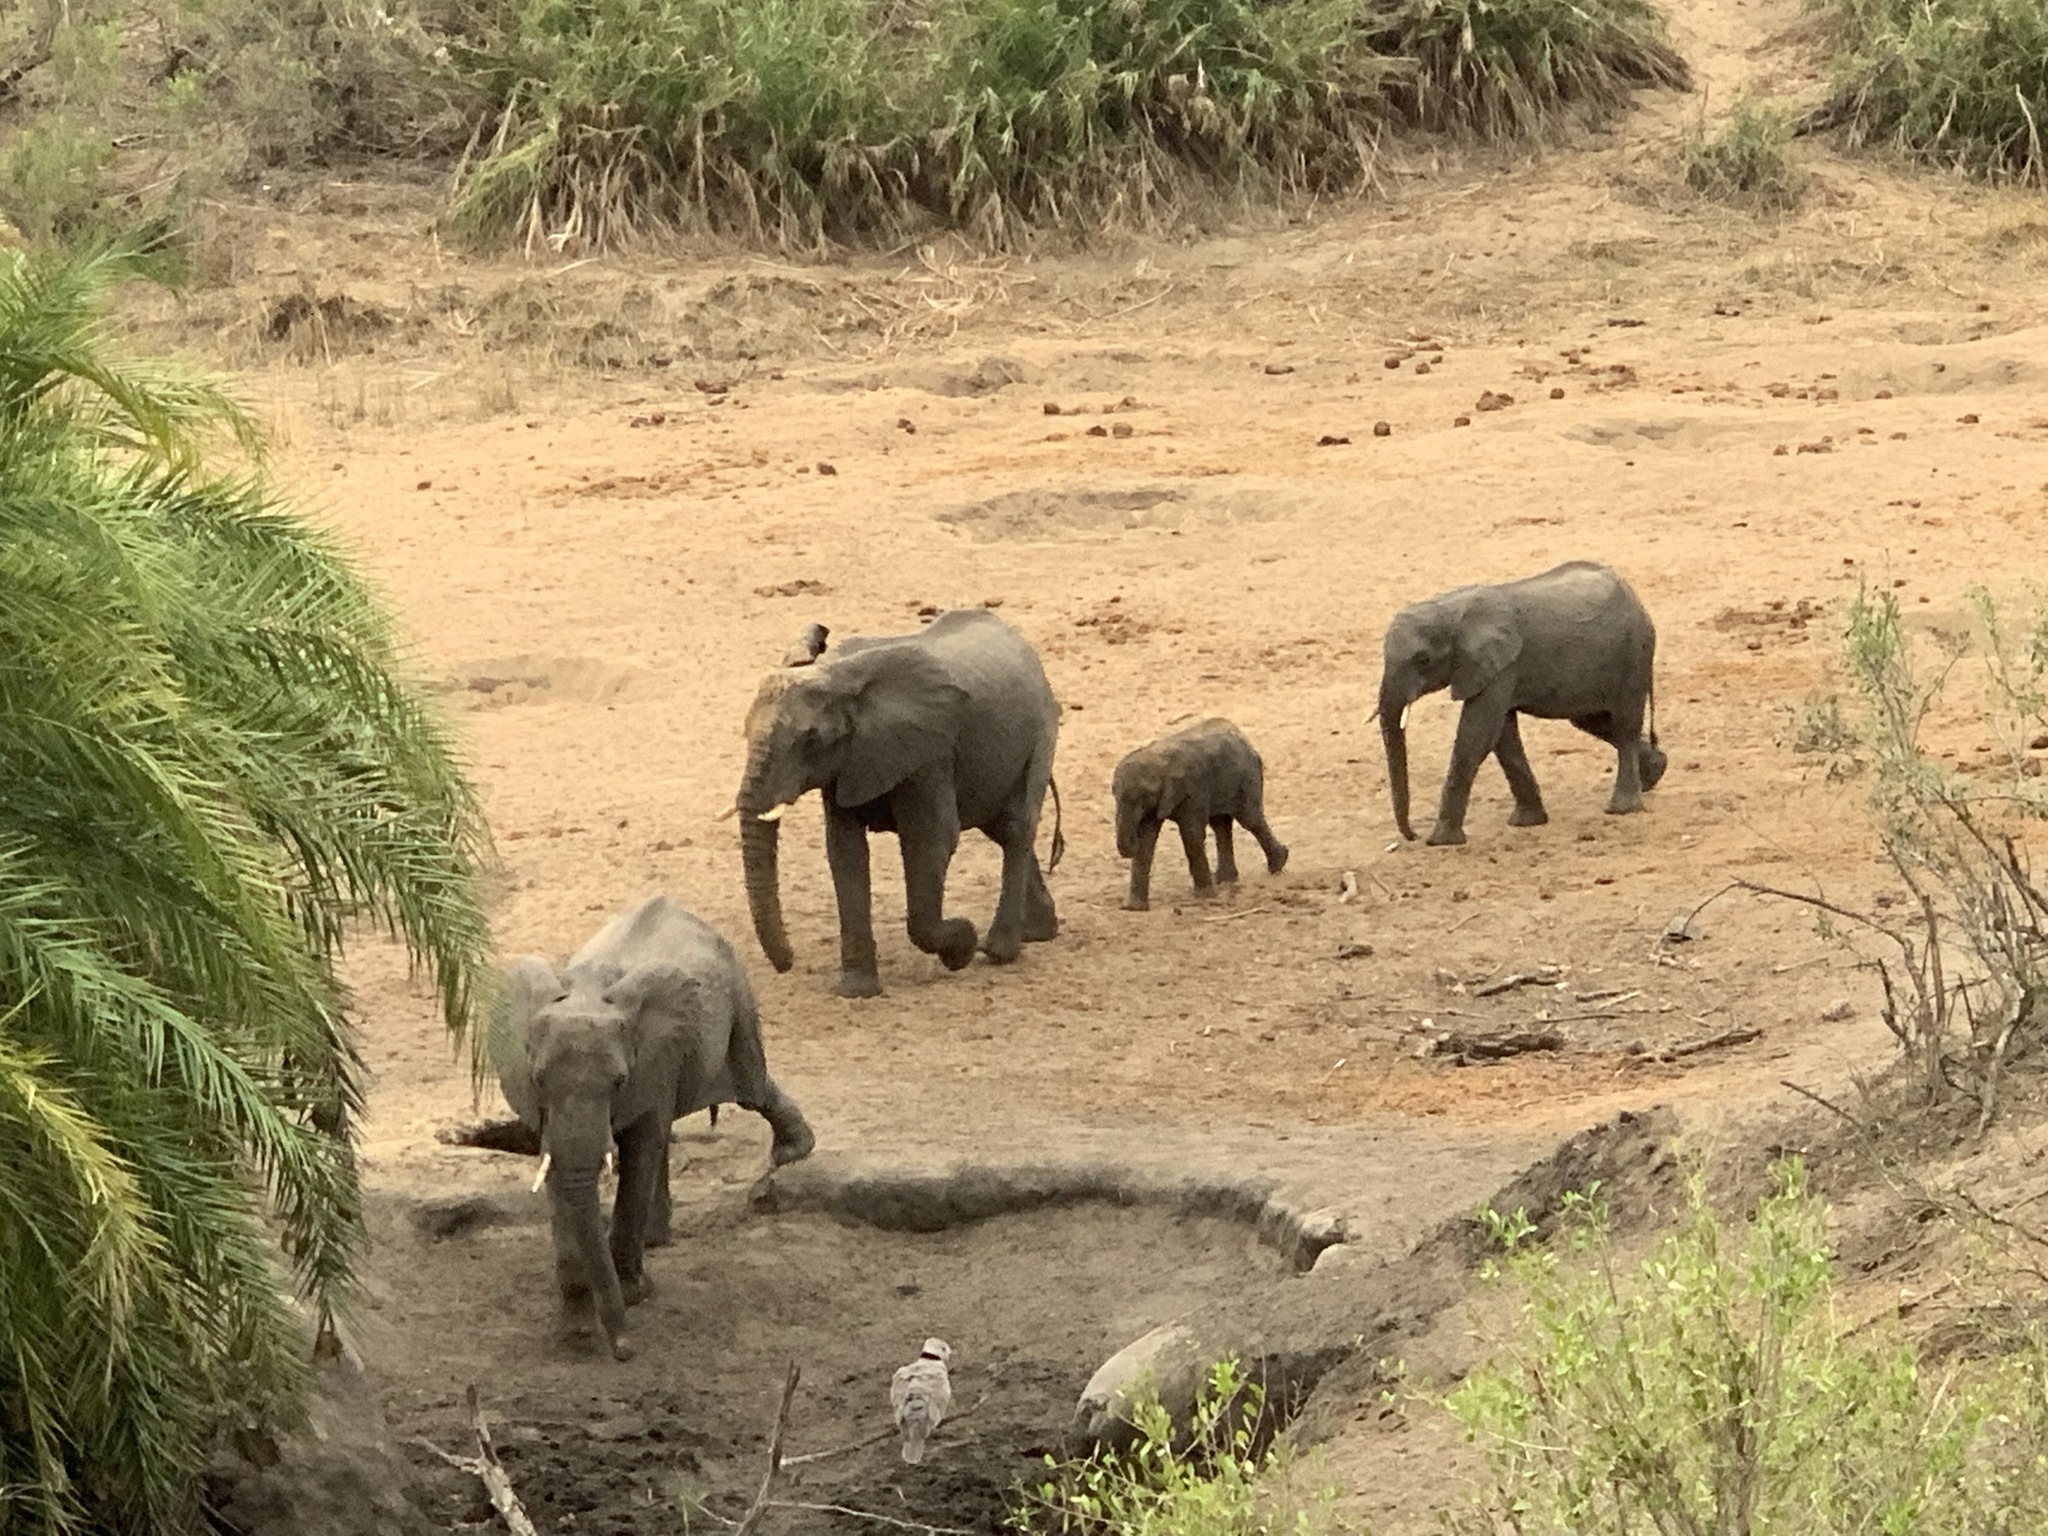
(1137, 904)
(1226, 877)
(621, 1350)
(658, 1238)
(1002, 950)
(859, 984)
(1653, 761)
(1528, 816)
(1041, 927)
(1442, 836)
(793, 1143)
(1624, 807)
(1276, 860)
(957, 944)
(634, 1289)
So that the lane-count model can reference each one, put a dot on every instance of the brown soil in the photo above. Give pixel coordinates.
(606, 496)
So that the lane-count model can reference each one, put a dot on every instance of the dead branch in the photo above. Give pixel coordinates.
(840, 1450)
(1831, 1107)
(868, 1514)
(486, 1467)
(752, 1517)
(1469, 1048)
(1540, 976)
(1727, 1037)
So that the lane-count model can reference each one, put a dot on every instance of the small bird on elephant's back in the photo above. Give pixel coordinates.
(921, 1393)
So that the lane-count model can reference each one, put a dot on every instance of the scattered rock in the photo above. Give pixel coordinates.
(1382, 429)
(1422, 367)
(1491, 401)
(1620, 323)
(1461, 421)
(1052, 407)
(1121, 429)
(1395, 360)
(447, 1216)
(1332, 440)
(1681, 929)
(1968, 420)
(1098, 430)
(1838, 1010)
(827, 469)
(1276, 369)
(1354, 951)
(1556, 392)
(803, 586)
(905, 424)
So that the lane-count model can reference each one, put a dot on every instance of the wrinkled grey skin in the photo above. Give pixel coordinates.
(1574, 643)
(1203, 776)
(921, 735)
(653, 1019)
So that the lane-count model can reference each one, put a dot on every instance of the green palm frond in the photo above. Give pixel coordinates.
(215, 775)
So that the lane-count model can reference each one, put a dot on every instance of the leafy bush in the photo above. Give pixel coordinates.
(1966, 977)
(803, 121)
(1714, 1389)
(212, 775)
(1958, 82)
(1209, 1480)
(1507, 68)
(1746, 162)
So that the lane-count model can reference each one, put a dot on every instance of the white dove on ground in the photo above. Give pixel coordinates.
(921, 1392)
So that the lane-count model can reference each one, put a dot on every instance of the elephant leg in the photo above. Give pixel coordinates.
(794, 1138)
(1637, 764)
(1653, 763)
(1253, 819)
(1041, 917)
(1140, 897)
(1514, 762)
(1226, 855)
(662, 1209)
(846, 851)
(928, 827)
(1479, 727)
(641, 1149)
(1193, 832)
(576, 1302)
(1005, 938)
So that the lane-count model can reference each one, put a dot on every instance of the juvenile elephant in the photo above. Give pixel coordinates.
(1201, 776)
(920, 735)
(653, 1019)
(1574, 643)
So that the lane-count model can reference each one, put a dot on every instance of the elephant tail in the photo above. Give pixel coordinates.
(1653, 714)
(1059, 836)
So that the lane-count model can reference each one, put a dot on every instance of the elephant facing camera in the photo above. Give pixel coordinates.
(1204, 777)
(653, 1019)
(1574, 643)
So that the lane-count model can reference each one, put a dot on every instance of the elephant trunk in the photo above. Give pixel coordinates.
(760, 842)
(577, 1153)
(1394, 737)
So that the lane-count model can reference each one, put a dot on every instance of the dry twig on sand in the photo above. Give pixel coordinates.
(486, 1466)
(759, 1507)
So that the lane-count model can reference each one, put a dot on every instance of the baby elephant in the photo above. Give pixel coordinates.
(1203, 775)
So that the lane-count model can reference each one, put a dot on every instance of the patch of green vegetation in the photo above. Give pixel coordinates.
(807, 121)
(214, 774)
(1714, 1387)
(1748, 162)
(1956, 82)
(1210, 1478)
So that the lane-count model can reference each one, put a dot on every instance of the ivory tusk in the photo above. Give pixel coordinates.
(1404, 715)
(547, 1161)
(774, 813)
(727, 814)
(610, 1161)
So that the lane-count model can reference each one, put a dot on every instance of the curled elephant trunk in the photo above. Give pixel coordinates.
(760, 842)
(1394, 737)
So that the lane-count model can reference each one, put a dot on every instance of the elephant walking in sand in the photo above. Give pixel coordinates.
(652, 1020)
(921, 735)
(1574, 643)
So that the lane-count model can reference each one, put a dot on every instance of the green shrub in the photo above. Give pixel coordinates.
(1209, 1480)
(1714, 1389)
(1507, 68)
(1958, 82)
(806, 121)
(1747, 161)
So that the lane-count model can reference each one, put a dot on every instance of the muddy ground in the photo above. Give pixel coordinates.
(605, 496)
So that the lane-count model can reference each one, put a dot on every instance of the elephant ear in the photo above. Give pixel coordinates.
(661, 1004)
(906, 715)
(1488, 643)
(528, 986)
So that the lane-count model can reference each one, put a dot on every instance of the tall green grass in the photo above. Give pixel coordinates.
(1957, 82)
(806, 122)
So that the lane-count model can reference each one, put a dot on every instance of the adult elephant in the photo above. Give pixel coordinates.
(920, 735)
(654, 1019)
(1574, 643)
